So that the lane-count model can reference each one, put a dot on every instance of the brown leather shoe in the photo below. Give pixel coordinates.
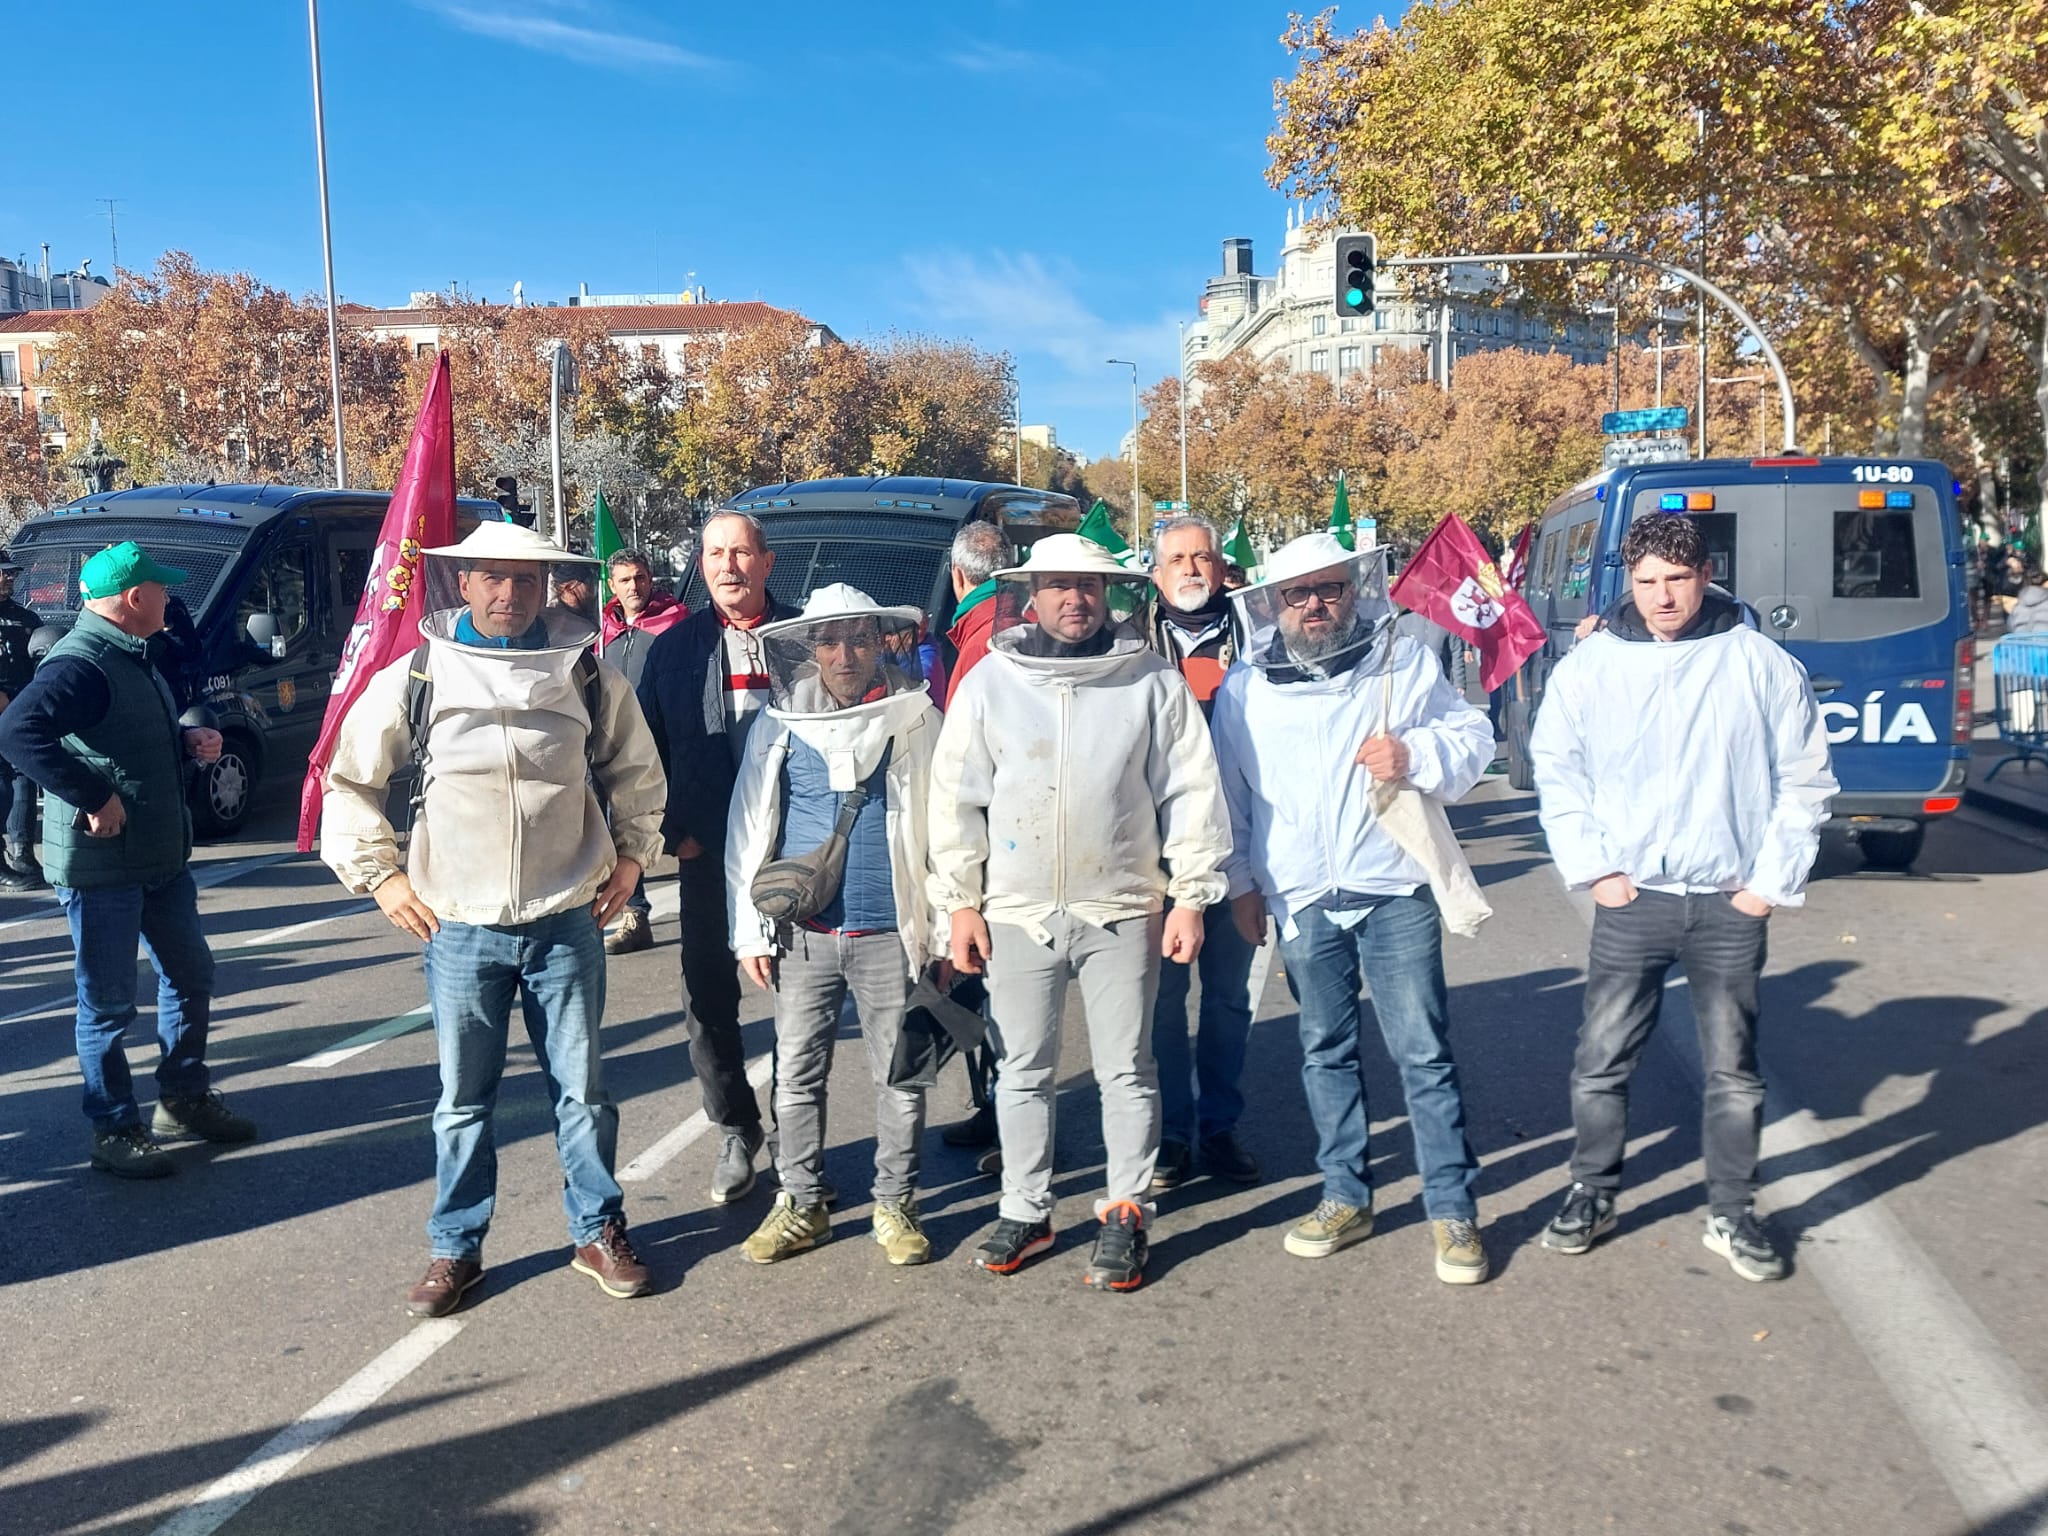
(611, 1262)
(442, 1290)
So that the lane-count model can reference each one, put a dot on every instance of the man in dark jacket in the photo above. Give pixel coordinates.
(98, 730)
(1188, 622)
(18, 868)
(706, 682)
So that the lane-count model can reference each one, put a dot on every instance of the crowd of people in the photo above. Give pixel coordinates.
(1118, 780)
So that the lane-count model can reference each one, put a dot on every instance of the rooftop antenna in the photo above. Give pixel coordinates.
(113, 233)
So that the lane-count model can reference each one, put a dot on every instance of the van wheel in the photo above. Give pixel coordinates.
(1892, 850)
(222, 790)
(1521, 772)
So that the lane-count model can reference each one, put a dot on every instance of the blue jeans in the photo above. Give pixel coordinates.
(17, 807)
(1399, 948)
(555, 966)
(1225, 1025)
(106, 923)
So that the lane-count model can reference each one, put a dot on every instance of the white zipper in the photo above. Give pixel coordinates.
(1059, 786)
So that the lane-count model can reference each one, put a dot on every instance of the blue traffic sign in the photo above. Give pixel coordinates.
(1665, 418)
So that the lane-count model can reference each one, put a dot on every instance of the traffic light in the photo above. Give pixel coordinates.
(516, 511)
(1357, 257)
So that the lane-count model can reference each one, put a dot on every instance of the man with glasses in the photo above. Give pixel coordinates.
(1332, 704)
(637, 613)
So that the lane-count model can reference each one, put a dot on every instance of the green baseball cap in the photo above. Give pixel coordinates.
(121, 566)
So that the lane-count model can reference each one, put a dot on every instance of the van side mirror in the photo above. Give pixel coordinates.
(264, 634)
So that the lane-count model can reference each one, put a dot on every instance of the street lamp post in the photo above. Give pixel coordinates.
(1183, 415)
(326, 248)
(1123, 362)
(1762, 381)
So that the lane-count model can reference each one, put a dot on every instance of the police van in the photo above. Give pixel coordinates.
(1856, 565)
(273, 573)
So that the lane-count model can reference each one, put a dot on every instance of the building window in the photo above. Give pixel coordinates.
(1319, 361)
(46, 414)
(1347, 361)
(1348, 324)
(10, 368)
(423, 349)
(1318, 324)
(1380, 320)
(1377, 353)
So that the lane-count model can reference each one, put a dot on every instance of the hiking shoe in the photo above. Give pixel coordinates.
(990, 1164)
(1587, 1216)
(1224, 1157)
(1175, 1162)
(206, 1117)
(610, 1260)
(1460, 1256)
(1118, 1263)
(634, 933)
(977, 1130)
(131, 1153)
(788, 1229)
(1330, 1226)
(1012, 1245)
(899, 1232)
(733, 1178)
(22, 861)
(442, 1288)
(12, 879)
(1744, 1243)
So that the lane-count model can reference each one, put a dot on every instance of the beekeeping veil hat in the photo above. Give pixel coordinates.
(503, 546)
(845, 676)
(1279, 635)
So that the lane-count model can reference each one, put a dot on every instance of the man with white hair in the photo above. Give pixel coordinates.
(1188, 622)
(509, 876)
(1073, 794)
(1333, 706)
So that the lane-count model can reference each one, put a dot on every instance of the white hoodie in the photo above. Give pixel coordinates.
(1078, 784)
(1687, 765)
(511, 830)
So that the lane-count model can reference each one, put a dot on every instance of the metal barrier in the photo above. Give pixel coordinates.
(2019, 666)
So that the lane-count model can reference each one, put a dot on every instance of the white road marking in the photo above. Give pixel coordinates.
(1971, 1407)
(278, 935)
(205, 876)
(362, 1041)
(220, 1502)
(664, 1151)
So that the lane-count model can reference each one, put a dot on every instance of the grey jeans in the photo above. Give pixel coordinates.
(1634, 946)
(811, 982)
(1118, 968)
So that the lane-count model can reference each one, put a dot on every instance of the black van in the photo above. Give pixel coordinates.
(274, 572)
(890, 537)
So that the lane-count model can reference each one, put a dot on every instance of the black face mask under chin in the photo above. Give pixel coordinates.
(1040, 642)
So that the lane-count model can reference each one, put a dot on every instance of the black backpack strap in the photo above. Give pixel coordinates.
(419, 714)
(592, 679)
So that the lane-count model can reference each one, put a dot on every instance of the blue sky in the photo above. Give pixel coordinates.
(1051, 179)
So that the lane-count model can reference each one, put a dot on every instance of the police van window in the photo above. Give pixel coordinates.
(1546, 563)
(1579, 559)
(1718, 529)
(1874, 554)
(279, 589)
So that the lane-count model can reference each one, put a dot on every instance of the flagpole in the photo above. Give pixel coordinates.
(327, 247)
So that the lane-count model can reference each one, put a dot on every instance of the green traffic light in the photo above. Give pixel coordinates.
(1354, 296)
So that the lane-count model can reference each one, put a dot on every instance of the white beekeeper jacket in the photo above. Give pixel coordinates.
(1302, 825)
(909, 731)
(1695, 765)
(511, 830)
(1077, 784)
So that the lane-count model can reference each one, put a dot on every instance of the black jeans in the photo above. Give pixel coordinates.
(711, 997)
(1634, 947)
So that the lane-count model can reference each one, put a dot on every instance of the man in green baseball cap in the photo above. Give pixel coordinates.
(97, 728)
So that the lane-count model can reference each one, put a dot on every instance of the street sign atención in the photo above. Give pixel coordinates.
(1664, 418)
(1645, 450)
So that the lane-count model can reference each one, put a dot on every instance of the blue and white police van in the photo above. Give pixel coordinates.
(1856, 565)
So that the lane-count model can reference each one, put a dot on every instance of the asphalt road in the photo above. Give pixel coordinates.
(229, 1349)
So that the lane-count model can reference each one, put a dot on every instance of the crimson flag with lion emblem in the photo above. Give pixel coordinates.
(1453, 582)
(421, 516)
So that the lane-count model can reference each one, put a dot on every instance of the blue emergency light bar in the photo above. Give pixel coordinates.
(1898, 499)
(1671, 501)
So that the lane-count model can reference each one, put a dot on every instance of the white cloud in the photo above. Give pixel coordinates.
(547, 33)
(992, 59)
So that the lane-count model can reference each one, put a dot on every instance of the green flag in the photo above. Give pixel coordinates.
(1237, 547)
(604, 533)
(1340, 514)
(1098, 527)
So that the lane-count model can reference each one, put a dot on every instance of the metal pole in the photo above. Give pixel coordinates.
(1123, 362)
(1660, 354)
(1617, 351)
(1183, 415)
(1741, 315)
(327, 248)
(1017, 403)
(1700, 404)
(555, 438)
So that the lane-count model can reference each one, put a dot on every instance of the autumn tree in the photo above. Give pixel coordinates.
(25, 484)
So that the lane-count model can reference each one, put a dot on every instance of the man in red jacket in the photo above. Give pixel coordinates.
(637, 613)
(979, 551)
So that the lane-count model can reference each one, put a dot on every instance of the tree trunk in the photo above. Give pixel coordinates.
(2041, 405)
(1915, 382)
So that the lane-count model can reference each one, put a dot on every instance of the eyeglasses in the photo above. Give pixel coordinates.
(1324, 592)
